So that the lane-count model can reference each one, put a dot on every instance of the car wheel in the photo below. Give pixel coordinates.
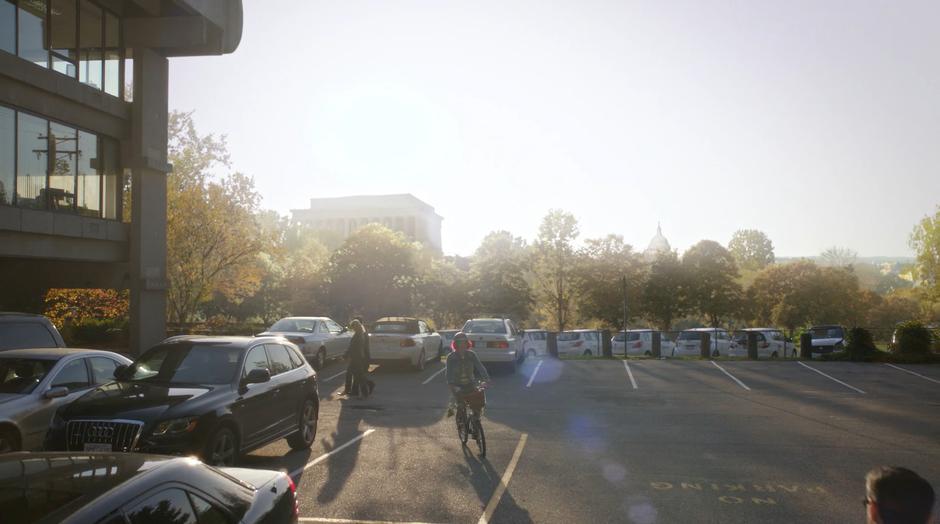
(307, 432)
(421, 358)
(320, 362)
(716, 354)
(587, 353)
(774, 355)
(9, 440)
(222, 448)
(648, 354)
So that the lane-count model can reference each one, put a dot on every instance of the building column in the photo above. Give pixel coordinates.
(147, 160)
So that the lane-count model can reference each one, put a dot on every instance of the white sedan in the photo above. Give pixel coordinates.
(404, 339)
(495, 340)
(689, 342)
(640, 342)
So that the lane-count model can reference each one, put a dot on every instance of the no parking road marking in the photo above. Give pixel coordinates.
(536, 372)
(630, 374)
(334, 376)
(335, 450)
(434, 375)
(912, 373)
(831, 378)
(734, 378)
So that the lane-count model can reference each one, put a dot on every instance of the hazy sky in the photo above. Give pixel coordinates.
(816, 121)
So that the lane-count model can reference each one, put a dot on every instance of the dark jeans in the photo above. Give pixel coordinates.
(357, 379)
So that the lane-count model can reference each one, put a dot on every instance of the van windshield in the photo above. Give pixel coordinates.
(690, 335)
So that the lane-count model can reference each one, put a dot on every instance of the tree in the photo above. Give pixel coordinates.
(925, 241)
(837, 256)
(664, 291)
(445, 294)
(555, 259)
(373, 274)
(602, 264)
(212, 235)
(890, 311)
(498, 276)
(751, 249)
(711, 286)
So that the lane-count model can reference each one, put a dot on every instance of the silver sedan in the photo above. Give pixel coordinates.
(34, 383)
(319, 338)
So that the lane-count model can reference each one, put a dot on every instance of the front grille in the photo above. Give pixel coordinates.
(122, 435)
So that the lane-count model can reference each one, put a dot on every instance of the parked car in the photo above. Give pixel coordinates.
(496, 341)
(447, 337)
(74, 488)
(689, 342)
(585, 342)
(214, 397)
(771, 343)
(34, 383)
(827, 339)
(405, 339)
(640, 342)
(535, 342)
(319, 338)
(23, 331)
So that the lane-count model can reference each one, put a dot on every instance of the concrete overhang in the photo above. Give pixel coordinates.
(185, 27)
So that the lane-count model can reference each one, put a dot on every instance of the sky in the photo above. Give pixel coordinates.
(817, 122)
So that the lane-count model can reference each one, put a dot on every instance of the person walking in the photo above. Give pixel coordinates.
(358, 358)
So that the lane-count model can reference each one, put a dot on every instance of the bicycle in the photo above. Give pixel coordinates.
(468, 424)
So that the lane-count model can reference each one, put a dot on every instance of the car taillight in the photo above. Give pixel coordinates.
(502, 344)
(638, 344)
(407, 342)
(293, 491)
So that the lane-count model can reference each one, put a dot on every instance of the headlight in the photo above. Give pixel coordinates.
(176, 426)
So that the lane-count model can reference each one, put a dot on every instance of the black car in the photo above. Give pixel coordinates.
(135, 488)
(214, 397)
(25, 330)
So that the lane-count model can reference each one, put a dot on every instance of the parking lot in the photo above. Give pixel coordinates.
(619, 441)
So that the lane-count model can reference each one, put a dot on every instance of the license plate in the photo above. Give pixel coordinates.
(97, 447)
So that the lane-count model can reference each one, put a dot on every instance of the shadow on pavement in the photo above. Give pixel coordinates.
(485, 480)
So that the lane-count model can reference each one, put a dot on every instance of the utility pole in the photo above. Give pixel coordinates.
(624, 290)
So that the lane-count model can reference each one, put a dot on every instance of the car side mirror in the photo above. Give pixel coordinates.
(257, 376)
(56, 392)
(120, 371)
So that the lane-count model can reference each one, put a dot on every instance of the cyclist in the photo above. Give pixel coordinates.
(464, 371)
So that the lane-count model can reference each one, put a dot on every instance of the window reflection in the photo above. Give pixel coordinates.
(112, 55)
(112, 178)
(7, 26)
(88, 184)
(7, 154)
(63, 141)
(90, 24)
(62, 36)
(31, 21)
(32, 160)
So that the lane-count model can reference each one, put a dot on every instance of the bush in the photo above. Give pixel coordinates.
(95, 333)
(912, 338)
(860, 344)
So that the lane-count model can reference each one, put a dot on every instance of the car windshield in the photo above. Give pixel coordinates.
(690, 335)
(403, 327)
(568, 336)
(827, 332)
(485, 326)
(296, 325)
(188, 364)
(21, 375)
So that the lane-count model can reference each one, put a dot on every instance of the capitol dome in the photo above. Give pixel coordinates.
(658, 244)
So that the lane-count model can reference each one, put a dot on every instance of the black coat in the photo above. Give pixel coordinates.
(358, 352)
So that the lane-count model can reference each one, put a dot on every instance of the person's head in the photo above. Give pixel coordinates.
(460, 343)
(897, 496)
(356, 326)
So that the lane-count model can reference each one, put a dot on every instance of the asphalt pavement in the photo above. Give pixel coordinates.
(603, 441)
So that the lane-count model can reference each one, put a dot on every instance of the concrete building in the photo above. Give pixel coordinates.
(404, 213)
(658, 244)
(71, 146)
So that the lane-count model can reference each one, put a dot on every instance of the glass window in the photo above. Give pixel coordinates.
(61, 192)
(7, 150)
(102, 369)
(296, 358)
(112, 184)
(32, 152)
(20, 376)
(185, 364)
(31, 20)
(73, 375)
(170, 505)
(24, 335)
(89, 40)
(294, 325)
(112, 55)
(7, 26)
(256, 359)
(88, 184)
(280, 360)
(62, 36)
(207, 513)
(334, 327)
(485, 326)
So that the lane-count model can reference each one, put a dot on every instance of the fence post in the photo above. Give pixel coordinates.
(551, 344)
(657, 349)
(606, 345)
(806, 345)
(752, 345)
(706, 349)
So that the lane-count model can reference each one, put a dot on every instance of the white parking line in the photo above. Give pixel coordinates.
(535, 372)
(438, 372)
(630, 374)
(831, 378)
(355, 521)
(913, 373)
(734, 378)
(335, 450)
(503, 482)
(343, 372)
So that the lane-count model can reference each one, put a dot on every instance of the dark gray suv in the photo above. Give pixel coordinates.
(26, 331)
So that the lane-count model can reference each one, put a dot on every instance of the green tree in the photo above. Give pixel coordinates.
(373, 274)
(664, 290)
(751, 249)
(445, 294)
(925, 241)
(837, 256)
(498, 276)
(212, 235)
(712, 289)
(555, 259)
(602, 265)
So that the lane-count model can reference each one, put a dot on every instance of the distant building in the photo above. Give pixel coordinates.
(658, 245)
(404, 213)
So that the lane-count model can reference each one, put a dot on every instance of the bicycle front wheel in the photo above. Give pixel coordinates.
(462, 427)
(479, 436)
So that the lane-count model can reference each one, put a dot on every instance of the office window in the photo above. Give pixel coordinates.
(31, 23)
(32, 153)
(89, 39)
(88, 183)
(7, 26)
(62, 36)
(112, 55)
(7, 154)
(112, 179)
(60, 194)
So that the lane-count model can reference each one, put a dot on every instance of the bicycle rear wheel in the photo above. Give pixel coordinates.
(462, 428)
(479, 436)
